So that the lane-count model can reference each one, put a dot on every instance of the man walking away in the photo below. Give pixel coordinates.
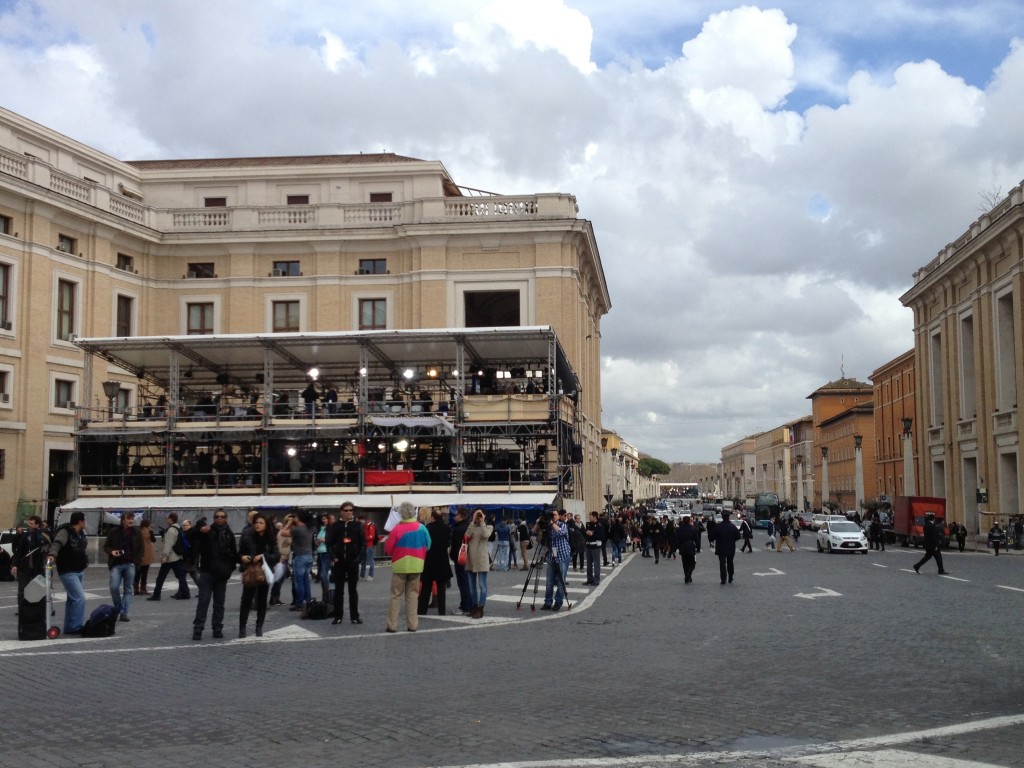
(932, 544)
(686, 537)
(725, 536)
(784, 535)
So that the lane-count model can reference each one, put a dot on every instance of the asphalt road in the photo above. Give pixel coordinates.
(807, 659)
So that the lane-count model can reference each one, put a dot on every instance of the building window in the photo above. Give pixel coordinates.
(286, 317)
(6, 225)
(63, 393)
(125, 262)
(373, 266)
(373, 314)
(66, 244)
(123, 401)
(66, 295)
(286, 269)
(125, 307)
(380, 197)
(1006, 369)
(5, 297)
(968, 388)
(935, 376)
(3, 463)
(200, 318)
(488, 309)
(201, 269)
(215, 202)
(298, 199)
(5, 387)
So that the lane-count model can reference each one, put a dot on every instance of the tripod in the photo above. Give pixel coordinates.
(541, 558)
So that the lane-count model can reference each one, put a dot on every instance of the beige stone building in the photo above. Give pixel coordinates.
(92, 247)
(968, 329)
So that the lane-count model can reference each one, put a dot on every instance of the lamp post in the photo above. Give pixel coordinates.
(858, 470)
(908, 459)
(784, 494)
(111, 389)
(824, 477)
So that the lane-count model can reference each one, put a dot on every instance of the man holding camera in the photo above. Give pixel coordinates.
(558, 557)
(124, 552)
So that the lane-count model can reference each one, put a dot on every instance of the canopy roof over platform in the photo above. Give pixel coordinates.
(209, 361)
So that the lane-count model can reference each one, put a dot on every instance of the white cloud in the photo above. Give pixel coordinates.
(749, 245)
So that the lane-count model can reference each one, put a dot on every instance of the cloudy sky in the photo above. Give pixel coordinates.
(763, 180)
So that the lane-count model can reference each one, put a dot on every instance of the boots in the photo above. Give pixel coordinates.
(241, 632)
(259, 630)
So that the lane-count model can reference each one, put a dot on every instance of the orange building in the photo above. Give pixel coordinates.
(894, 398)
(841, 412)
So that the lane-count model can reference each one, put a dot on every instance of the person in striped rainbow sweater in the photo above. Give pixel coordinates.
(407, 546)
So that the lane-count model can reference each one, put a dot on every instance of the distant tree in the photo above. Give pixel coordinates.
(990, 199)
(648, 465)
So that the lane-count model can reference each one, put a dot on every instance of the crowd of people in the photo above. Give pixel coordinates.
(337, 551)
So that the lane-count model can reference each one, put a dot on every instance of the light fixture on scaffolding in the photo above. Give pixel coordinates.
(401, 445)
(313, 373)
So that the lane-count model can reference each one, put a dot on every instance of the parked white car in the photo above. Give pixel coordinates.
(841, 536)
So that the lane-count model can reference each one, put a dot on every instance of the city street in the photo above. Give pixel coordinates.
(807, 659)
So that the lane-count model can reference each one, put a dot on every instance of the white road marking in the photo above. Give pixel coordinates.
(772, 572)
(885, 758)
(823, 593)
(1014, 589)
(879, 565)
(953, 578)
(814, 753)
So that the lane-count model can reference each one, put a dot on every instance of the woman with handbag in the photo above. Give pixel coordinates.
(258, 553)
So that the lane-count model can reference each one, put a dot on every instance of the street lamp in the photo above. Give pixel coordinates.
(111, 389)
(908, 458)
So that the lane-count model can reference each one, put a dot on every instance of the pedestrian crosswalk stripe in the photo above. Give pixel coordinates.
(885, 758)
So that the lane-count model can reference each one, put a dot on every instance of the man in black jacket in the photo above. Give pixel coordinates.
(30, 549)
(69, 551)
(346, 544)
(687, 538)
(217, 555)
(725, 535)
(124, 553)
(932, 544)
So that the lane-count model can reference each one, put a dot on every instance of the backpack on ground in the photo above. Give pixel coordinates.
(101, 622)
(314, 609)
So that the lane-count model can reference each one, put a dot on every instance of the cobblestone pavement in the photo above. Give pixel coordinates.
(808, 659)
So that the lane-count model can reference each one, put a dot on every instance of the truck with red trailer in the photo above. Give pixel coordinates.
(908, 519)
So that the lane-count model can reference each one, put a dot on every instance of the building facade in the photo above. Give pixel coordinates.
(841, 412)
(738, 469)
(95, 247)
(893, 395)
(968, 329)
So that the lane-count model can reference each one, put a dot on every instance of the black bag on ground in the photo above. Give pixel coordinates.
(314, 609)
(32, 620)
(101, 622)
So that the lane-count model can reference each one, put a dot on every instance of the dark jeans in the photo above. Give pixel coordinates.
(210, 586)
(462, 579)
(594, 565)
(747, 547)
(725, 567)
(346, 573)
(427, 582)
(179, 571)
